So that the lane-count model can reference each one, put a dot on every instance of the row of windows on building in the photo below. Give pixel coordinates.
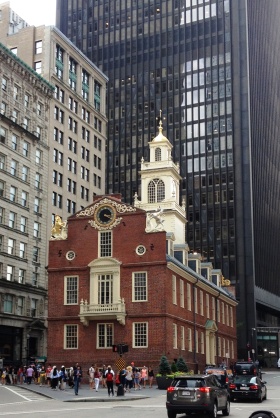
(85, 78)
(12, 274)
(11, 247)
(21, 198)
(23, 173)
(71, 188)
(16, 305)
(140, 338)
(21, 96)
(28, 122)
(23, 227)
(86, 115)
(57, 198)
(73, 124)
(17, 144)
(196, 300)
(85, 155)
(58, 136)
(144, 18)
(19, 222)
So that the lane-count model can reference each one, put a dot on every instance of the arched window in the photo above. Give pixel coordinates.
(157, 154)
(156, 191)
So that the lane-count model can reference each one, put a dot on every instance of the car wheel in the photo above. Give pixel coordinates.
(265, 395)
(214, 412)
(171, 414)
(226, 411)
(260, 398)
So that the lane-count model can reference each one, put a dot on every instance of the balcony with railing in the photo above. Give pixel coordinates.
(111, 311)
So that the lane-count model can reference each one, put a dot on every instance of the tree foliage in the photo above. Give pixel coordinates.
(164, 366)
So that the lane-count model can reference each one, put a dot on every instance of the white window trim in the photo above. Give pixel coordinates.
(65, 290)
(182, 295)
(207, 306)
(99, 246)
(147, 335)
(201, 301)
(133, 286)
(189, 297)
(100, 266)
(190, 339)
(183, 344)
(231, 317)
(65, 331)
(175, 336)
(195, 300)
(202, 343)
(97, 335)
(174, 290)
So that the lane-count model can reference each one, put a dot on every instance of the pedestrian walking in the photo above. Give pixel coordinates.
(104, 376)
(91, 377)
(29, 374)
(48, 374)
(144, 376)
(96, 378)
(137, 376)
(54, 378)
(77, 377)
(150, 377)
(129, 378)
(110, 380)
(42, 376)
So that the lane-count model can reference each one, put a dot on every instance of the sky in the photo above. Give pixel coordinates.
(35, 12)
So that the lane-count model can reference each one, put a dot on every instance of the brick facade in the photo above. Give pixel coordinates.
(164, 309)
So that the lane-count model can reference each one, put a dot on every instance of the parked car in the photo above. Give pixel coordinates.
(247, 387)
(247, 367)
(197, 393)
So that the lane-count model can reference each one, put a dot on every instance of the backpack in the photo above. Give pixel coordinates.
(109, 377)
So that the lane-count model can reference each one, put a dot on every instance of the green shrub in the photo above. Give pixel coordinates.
(164, 366)
(174, 368)
(181, 365)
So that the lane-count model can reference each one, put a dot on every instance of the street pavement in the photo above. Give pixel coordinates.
(90, 395)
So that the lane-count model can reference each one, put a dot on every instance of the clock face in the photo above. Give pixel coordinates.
(105, 215)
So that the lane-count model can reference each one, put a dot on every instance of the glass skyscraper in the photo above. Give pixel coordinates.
(212, 67)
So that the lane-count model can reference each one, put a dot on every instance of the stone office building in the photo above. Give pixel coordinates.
(25, 99)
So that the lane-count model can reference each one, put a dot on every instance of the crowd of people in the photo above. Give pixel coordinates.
(128, 378)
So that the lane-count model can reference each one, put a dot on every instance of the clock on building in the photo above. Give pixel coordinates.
(105, 215)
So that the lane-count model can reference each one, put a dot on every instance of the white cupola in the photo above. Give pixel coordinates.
(160, 187)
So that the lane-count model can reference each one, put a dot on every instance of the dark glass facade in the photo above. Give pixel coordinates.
(209, 66)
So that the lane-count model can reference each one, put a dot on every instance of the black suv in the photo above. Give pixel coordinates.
(197, 393)
(247, 368)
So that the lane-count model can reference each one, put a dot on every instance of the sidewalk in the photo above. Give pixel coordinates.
(90, 395)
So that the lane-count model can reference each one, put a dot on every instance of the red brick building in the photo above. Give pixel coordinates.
(121, 274)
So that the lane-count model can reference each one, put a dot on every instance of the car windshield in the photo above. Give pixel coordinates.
(189, 383)
(244, 379)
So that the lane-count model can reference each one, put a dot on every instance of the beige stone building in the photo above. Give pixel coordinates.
(74, 128)
(25, 99)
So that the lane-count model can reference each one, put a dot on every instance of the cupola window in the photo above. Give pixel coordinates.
(156, 191)
(158, 154)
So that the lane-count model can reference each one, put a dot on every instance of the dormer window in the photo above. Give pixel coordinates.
(156, 191)
(157, 154)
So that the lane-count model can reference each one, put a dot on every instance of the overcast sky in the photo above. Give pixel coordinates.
(35, 12)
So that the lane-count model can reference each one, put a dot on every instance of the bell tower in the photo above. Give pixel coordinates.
(160, 181)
